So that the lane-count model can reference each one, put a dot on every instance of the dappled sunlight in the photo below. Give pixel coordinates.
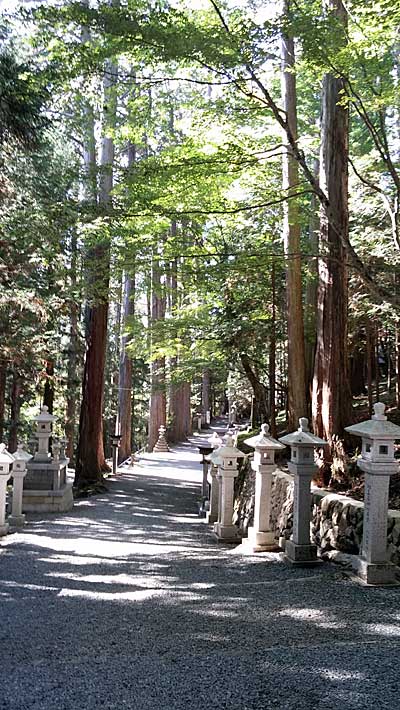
(322, 619)
(382, 629)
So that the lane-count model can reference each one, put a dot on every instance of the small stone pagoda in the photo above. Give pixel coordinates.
(45, 486)
(162, 444)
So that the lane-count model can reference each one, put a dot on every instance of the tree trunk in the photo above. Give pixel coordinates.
(48, 394)
(72, 366)
(369, 355)
(331, 390)
(125, 373)
(272, 357)
(312, 290)
(260, 404)
(205, 395)
(157, 416)
(3, 384)
(90, 462)
(16, 400)
(179, 401)
(297, 406)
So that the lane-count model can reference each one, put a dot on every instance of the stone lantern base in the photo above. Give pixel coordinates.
(4, 529)
(301, 554)
(260, 541)
(16, 521)
(226, 533)
(375, 573)
(46, 489)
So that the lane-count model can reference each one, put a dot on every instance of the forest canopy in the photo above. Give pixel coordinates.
(199, 215)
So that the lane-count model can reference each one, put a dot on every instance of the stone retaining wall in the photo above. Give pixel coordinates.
(337, 520)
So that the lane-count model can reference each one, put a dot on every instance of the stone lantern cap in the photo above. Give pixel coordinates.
(21, 455)
(44, 417)
(303, 436)
(214, 457)
(6, 459)
(264, 440)
(378, 427)
(229, 451)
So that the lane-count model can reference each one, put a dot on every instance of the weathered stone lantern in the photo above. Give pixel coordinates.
(44, 423)
(6, 462)
(19, 471)
(378, 463)
(45, 487)
(212, 477)
(303, 443)
(228, 456)
(261, 537)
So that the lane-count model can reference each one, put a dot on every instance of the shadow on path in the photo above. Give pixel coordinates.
(127, 602)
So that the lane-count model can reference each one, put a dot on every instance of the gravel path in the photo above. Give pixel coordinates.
(127, 602)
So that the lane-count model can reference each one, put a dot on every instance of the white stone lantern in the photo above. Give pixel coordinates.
(6, 462)
(261, 537)
(299, 550)
(19, 471)
(378, 463)
(228, 455)
(44, 422)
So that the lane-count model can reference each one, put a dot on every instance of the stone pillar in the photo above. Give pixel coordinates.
(378, 463)
(212, 515)
(6, 462)
(299, 550)
(21, 458)
(261, 537)
(228, 456)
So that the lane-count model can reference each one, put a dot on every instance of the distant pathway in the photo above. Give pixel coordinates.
(127, 602)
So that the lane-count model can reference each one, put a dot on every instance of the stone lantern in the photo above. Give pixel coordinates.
(44, 422)
(6, 462)
(21, 458)
(46, 488)
(205, 450)
(228, 456)
(115, 444)
(378, 463)
(216, 442)
(303, 443)
(261, 537)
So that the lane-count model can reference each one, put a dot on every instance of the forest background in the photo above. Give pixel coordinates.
(199, 213)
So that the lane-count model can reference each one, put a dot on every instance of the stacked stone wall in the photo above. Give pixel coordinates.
(337, 520)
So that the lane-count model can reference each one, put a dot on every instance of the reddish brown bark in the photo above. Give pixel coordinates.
(48, 394)
(331, 402)
(125, 375)
(158, 415)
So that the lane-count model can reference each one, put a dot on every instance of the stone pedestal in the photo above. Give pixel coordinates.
(212, 515)
(4, 526)
(299, 549)
(17, 518)
(373, 566)
(224, 530)
(261, 538)
(46, 489)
